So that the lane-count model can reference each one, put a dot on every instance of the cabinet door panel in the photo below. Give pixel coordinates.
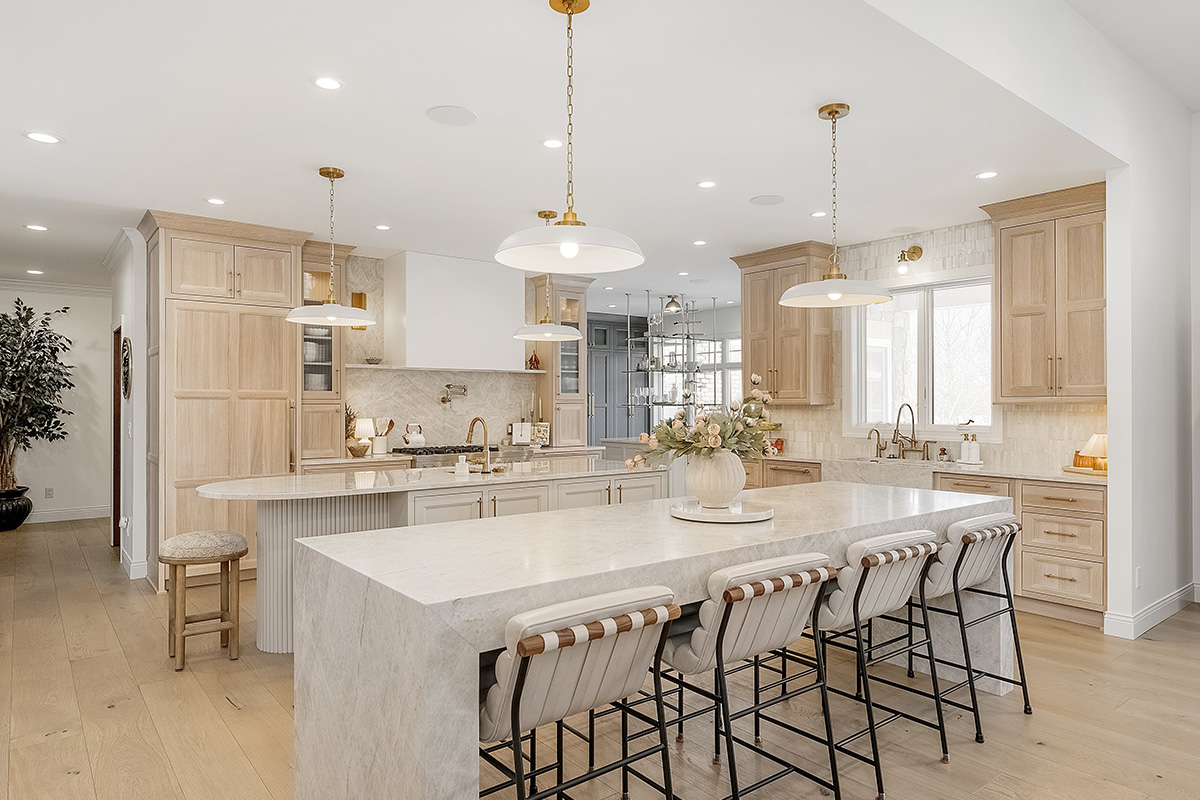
(570, 424)
(518, 500)
(202, 338)
(582, 494)
(1027, 304)
(266, 352)
(431, 508)
(758, 327)
(322, 430)
(260, 437)
(636, 489)
(201, 268)
(263, 276)
(791, 377)
(1079, 245)
(201, 441)
(782, 473)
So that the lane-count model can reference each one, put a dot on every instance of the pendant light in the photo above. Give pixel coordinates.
(546, 330)
(672, 306)
(834, 289)
(331, 313)
(569, 246)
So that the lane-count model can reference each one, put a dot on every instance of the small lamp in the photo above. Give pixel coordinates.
(364, 430)
(1097, 449)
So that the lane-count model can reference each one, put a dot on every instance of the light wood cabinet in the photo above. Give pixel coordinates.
(790, 473)
(1050, 342)
(996, 487)
(322, 430)
(791, 348)
(754, 474)
(223, 363)
(321, 352)
(562, 391)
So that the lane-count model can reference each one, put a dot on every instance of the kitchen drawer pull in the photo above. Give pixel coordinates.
(968, 483)
(620, 493)
(480, 501)
(1060, 533)
(1050, 372)
(1058, 374)
(1060, 577)
(494, 506)
(1060, 499)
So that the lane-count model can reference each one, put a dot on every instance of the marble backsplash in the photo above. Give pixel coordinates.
(415, 396)
(1036, 436)
(365, 275)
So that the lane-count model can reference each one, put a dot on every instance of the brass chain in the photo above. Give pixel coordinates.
(570, 108)
(331, 295)
(834, 258)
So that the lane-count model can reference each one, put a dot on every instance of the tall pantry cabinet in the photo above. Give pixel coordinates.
(221, 366)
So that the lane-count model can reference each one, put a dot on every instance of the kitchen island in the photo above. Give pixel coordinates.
(391, 624)
(294, 506)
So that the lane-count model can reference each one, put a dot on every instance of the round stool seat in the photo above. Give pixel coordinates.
(203, 547)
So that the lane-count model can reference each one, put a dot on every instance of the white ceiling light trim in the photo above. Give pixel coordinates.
(43, 137)
(984, 176)
(834, 289)
(569, 246)
(325, 82)
(331, 313)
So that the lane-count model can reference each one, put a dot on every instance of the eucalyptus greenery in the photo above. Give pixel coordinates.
(735, 429)
(33, 378)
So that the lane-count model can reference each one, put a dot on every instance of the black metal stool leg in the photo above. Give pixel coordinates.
(533, 761)
(819, 654)
(662, 729)
(937, 695)
(865, 685)
(910, 638)
(723, 710)
(716, 718)
(962, 630)
(679, 731)
(757, 700)
(624, 752)
(558, 773)
(1012, 615)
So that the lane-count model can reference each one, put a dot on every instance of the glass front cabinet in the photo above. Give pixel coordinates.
(562, 390)
(321, 345)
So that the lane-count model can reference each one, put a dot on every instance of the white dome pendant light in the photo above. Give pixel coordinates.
(569, 246)
(547, 330)
(331, 313)
(834, 289)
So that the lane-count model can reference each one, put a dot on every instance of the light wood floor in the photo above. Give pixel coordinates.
(91, 707)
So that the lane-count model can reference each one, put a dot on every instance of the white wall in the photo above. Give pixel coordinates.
(78, 467)
(452, 313)
(126, 262)
(1045, 53)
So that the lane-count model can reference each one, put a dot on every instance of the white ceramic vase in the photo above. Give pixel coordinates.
(715, 480)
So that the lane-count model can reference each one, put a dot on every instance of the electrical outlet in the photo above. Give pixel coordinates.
(49, 492)
(1137, 577)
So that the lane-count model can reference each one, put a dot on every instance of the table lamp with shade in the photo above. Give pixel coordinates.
(364, 430)
(1092, 459)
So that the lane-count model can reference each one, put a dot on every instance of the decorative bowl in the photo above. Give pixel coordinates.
(358, 450)
(374, 360)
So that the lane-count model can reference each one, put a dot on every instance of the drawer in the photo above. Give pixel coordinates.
(1066, 580)
(1064, 497)
(999, 487)
(1075, 536)
(754, 471)
(790, 473)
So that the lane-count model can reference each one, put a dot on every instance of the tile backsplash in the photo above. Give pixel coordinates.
(365, 275)
(1036, 436)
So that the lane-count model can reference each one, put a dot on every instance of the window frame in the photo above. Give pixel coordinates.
(854, 374)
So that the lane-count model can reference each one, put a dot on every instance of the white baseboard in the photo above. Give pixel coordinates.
(134, 569)
(1126, 626)
(67, 514)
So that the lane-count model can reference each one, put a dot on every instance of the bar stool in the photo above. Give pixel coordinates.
(757, 608)
(880, 578)
(975, 549)
(572, 657)
(202, 547)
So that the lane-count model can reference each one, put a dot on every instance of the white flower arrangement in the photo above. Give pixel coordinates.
(735, 430)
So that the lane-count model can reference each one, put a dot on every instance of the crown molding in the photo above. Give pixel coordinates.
(47, 287)
(125, 241)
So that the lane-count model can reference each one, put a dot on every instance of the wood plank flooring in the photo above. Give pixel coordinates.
(91, 707)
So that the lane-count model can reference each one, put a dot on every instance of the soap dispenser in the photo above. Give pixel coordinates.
(975, 455)
(964, 452)
(461, 469)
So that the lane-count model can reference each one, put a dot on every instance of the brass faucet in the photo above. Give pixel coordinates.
(880, 447)
(900, 440)
(487, 452)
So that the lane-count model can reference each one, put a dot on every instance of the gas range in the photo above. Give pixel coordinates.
(440, 455)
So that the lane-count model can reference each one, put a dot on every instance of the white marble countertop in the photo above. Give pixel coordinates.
(383, 481)
(986, 470)
(352, 462)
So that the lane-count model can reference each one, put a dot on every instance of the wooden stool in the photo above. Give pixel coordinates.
(203, 547)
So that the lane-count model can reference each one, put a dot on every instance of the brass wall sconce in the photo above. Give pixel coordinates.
(913, 253)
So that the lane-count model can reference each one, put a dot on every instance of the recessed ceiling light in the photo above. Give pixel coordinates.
(216, 201)
(728, 302)
(817, 214)
(767, 199)
(34, 271)
(700, 280)
(608, 288)
(37, 227)
(383, 227)
(42, 137)
(612, 305)
(983, 176)
(706, 184)
(683, 273)
(552, 143)
(328, 83)
(699, 243)
(451, 115)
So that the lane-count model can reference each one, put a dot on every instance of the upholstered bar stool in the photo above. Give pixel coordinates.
(202, 547)
(569, 658)
(975, 549)
(881, 575)
(757, 608)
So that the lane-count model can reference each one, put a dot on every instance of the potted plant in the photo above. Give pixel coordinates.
(717, 442)
(32, 381)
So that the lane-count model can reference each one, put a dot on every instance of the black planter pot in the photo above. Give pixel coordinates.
(14, 507)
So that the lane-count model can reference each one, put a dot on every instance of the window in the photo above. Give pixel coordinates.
(931, 347)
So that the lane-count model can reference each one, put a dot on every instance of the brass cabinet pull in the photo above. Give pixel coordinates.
(494, 506)
(609, 490)
(970, 485)
(1060, 577)
(1058, 374)
(480, 502)
(620, 493)
(1050, 373)
(238, 284)
(1060, 499)
(1060, 533)
(229, 281)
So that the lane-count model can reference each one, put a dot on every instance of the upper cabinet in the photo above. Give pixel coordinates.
(321, 348)
(563, 390)
(791, 348)
(1050, 301)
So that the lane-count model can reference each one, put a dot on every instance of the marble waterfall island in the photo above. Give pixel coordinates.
(390, 624)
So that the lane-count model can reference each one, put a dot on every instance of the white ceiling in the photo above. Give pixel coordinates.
(165, 104)
(1161, 35)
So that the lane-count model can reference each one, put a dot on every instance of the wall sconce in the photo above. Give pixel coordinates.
(913, 253)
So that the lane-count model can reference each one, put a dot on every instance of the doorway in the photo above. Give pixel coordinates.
(116, 436)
